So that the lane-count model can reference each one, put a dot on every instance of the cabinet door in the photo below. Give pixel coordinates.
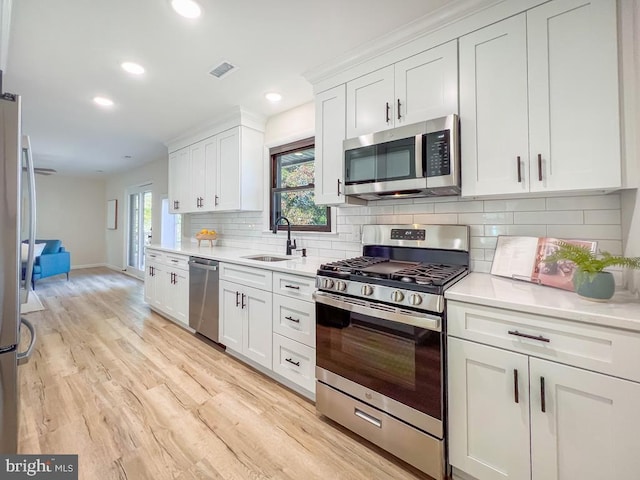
(493, 109)
(573, 95)
(257, 331)
(178, 180)
(426, 85)
(228, 158)
(589, 429)
(180, 296)
(210, 196)
(370, 105)
(488, 411)
(230, 316)
(330, 133)
(197, 172)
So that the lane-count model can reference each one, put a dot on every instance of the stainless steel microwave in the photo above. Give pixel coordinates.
(418, 160)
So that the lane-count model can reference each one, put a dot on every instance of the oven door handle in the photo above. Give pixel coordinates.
(416, 319)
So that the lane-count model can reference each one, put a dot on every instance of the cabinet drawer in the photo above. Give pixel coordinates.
(294, 286)
(248, 276)
(176, 261)
(295, 319)
(294, 361)
(154, 256)
(601, 349)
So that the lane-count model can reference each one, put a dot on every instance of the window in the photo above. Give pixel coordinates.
(139, 227)
(292, 182)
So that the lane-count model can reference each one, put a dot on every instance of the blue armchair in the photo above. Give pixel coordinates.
(53, 260)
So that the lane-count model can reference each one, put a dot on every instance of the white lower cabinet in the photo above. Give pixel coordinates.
(271, 323)
(166, 284)
(245, 320)
(515, 416)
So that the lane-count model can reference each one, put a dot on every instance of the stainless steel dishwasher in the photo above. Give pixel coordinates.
(203, 296)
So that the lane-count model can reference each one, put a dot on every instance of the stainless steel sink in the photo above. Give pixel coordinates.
(266, 258)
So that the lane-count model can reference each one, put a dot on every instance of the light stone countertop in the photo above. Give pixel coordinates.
(297, 265)
(622, 311)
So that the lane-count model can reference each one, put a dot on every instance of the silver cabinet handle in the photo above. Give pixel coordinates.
(243, 304)
(516, 393)
(539, 167)
(387, 112)
(339, 182)
(366, 417)
(519, 170)
(216, 200)
(293, 287)
(295, 320)
(399, 116)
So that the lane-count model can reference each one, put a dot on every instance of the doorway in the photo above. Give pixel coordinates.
(139, 214)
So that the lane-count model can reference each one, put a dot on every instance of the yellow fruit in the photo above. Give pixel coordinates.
(204, 231)
(212, 232)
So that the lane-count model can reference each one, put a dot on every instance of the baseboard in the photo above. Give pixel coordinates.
(88, 265)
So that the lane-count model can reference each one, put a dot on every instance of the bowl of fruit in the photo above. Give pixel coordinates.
(210, 235)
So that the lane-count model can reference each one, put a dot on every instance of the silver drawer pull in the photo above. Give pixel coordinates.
(540, 338)
(296, 320)
(292, 286)
(297, 364)
(365, 416)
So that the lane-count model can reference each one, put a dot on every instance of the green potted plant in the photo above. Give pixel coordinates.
(590, 280)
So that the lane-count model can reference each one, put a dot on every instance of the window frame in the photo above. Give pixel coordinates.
(274, 152)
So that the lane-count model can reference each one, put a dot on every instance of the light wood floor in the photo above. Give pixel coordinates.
(138, 397)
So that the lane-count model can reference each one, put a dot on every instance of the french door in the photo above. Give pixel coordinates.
(139, 203)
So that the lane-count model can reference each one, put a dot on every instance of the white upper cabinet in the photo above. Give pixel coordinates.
(179, 181)
(426, 85)
(220, 173)
(330, 133)
(370, 103)
(573, 95)
(539, 101)
(418, 88)
(493, 101)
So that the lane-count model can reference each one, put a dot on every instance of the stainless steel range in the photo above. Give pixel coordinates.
(380, 321)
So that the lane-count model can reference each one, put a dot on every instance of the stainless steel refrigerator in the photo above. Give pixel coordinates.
(15, 157)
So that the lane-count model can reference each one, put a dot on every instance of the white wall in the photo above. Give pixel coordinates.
(116, 187)
(73, 210)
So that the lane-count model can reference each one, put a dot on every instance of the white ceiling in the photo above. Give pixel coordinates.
(63, 53)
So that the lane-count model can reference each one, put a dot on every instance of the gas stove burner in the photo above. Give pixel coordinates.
(429, 274)
(350, 265)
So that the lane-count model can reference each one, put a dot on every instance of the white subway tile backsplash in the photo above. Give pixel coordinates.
(459, 207)
(494, 217)
(602, 217)
(515, 205)
(414, 208)
(595, 202)
(586, 232)
(436, 218)
(574, 217)
(595, 217)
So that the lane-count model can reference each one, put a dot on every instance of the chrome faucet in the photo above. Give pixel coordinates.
(290, 246)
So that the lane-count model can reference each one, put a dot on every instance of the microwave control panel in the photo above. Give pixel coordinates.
(437, 153)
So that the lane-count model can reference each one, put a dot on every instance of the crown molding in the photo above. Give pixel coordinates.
(427, 24)
(232, 118)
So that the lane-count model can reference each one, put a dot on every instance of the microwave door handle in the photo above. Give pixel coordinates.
(421, 161)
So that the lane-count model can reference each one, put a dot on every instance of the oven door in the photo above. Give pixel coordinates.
(391, 351)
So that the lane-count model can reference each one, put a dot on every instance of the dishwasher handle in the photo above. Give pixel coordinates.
(203, 264)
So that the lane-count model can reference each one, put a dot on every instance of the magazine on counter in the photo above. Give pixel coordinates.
(523, 258)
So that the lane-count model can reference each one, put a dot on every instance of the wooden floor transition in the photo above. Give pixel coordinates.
(138, 397)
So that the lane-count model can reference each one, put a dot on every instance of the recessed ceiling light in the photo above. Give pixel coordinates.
(273, 97)
(103, 101)
(186, 8)
(299, 154)
(132, 68)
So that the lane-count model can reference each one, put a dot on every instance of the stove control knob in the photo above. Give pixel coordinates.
(367, 290)
(415, 299)
(341, 286)
(397, 296)
(328, 283)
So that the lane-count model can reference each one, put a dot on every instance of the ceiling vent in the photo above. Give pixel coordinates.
(222, 70)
